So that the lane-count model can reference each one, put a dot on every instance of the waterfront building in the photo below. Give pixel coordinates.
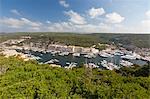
(77, 49)
(86, 50)
(95, 51)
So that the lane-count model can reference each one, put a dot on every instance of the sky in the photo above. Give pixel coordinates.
(81, 16)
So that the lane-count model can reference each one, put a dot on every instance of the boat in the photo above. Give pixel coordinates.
(118, 52)
(131, 56)
(49, 62)
(109, 65)
(92, 65)
(44, 51)
(56, 60)
(104, 64)
(41, 54)
(71, 65)
(32, 57)
(137, 56)
(105, 55)
(54, 52)
(128, 57)
(146, 58)
(76, 54)
(89, 56)
(52, 61)
(64, 53)
(125, 63)
(67, 63)
(112, 66)
(37, 58)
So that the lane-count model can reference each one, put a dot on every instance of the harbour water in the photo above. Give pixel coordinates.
(80, 60)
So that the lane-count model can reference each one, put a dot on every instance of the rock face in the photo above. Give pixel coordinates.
(54, 65)
(2, 70)
(10, 53)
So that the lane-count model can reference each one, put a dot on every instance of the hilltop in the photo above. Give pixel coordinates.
(85, 40)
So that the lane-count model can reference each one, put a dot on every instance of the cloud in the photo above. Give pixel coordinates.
(19, 23)
(63, 3)
(48, 22)
(141, 27)
(84, 28)
(114, 18)
(11, 22)
(148, 14)
(14, 11)
(60, 27)
(77, 23)
(35, 28)
(25, 25)
(95, 12)
(31, 23)
(92, 28)
(146, 24)
(75, 17)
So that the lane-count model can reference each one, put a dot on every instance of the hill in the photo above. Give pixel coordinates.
(21, 79)
(85, 40)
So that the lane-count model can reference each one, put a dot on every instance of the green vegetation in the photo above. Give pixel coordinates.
(85, 40)
(30, 80)
(100, 46)
(135, 71)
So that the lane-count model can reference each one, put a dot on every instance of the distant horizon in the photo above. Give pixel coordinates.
(79, 16)
(78, 32)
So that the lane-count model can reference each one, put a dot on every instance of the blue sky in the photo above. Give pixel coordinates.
(92, 16)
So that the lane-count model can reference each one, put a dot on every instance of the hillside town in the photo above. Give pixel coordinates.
(119, 56)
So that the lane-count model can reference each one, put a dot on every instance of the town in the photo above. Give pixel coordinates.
(74, 49)
(118, 57)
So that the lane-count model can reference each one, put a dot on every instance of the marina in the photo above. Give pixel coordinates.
(60, 55)
(69, 60)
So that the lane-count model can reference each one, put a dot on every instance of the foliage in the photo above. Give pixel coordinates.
(85, 40)
(32, 80)
(101, 47)
(136, 71)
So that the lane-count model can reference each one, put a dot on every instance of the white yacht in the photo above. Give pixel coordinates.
(32, 57)
(112, 66)
(109, 65)
(105, 55)
(128, 57)
(125, 63)
(146, 58)
(71, 65)
(92, 65)
(136, 55)
(52, 61)
(104, 63)
(76, 54)
(90, 55)
(54, 53)
(64, 53)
